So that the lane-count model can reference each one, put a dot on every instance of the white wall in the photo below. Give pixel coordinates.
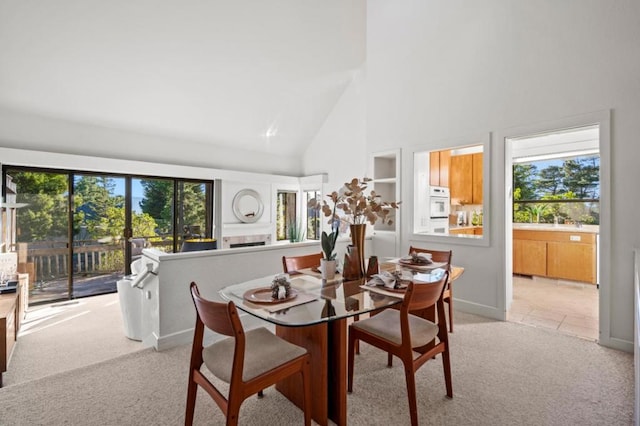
(444, 70)
(339, 149)
(28, 131)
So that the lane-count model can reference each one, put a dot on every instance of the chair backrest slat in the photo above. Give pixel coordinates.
(436, 255)
(292, 264)
(421, 295)
(218, 316)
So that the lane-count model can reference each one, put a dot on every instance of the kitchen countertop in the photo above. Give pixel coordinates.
(464, 226)
(591, 229)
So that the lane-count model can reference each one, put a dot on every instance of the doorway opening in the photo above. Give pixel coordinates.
(554, 225)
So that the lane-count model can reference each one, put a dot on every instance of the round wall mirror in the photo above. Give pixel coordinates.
(247, 206)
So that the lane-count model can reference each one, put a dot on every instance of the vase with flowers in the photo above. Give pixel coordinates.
(359, 208)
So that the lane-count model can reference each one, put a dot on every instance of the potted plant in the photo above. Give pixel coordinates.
(359, 208)
(328, 241)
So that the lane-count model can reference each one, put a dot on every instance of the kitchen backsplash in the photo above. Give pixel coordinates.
(465, 213)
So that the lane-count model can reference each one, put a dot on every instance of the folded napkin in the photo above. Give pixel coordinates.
(388, 279)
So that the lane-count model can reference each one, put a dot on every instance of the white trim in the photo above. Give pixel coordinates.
(483, 139)
(478, 309)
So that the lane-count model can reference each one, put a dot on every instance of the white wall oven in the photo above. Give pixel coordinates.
(439, 205)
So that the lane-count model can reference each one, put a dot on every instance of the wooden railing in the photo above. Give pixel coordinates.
(53, 263)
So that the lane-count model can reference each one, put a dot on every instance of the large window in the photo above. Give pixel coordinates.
(313, 216)
(77, 232)
(562, 190)
(287, 224)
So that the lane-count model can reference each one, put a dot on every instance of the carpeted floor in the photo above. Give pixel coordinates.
(503, 374)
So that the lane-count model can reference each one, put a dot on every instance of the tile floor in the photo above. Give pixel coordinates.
(566, 306)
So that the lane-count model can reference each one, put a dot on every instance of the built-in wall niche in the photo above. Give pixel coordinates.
(451, 188)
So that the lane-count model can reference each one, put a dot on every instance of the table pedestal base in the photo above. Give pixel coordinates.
(327, 344)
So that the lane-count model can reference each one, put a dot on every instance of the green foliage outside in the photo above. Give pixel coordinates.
(574, 179)
(99, 214)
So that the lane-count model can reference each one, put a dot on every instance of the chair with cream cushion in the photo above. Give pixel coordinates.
(248, 361)
(402, 334)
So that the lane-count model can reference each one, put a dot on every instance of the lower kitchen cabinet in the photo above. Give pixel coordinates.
(572, 261)
(530, 257)
(471, 230)
(556, 254)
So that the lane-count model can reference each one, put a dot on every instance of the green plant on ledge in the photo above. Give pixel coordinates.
(328, 241)
(297, 233)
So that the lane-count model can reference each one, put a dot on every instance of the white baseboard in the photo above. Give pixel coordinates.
(175, 339)
(478, 309)
(619, 344)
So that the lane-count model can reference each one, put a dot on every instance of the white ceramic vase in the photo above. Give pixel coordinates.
(327, 269)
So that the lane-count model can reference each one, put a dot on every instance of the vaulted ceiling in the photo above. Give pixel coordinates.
(253, 74)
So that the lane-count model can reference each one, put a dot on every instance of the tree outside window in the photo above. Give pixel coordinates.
(564, 190)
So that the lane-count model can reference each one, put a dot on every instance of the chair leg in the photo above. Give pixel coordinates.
(446, 366)
(357, 318)
(451, 314)
(192, 392)
(411, 392)
(233, 411)
(306, 384)
(389, 359)
(260, 393)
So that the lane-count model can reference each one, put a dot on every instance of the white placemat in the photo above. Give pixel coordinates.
(382, 290)
(273, 307)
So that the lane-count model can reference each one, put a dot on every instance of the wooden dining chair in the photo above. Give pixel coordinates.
(292, 264)
(400, 333)
(445, 257)
(249, 361)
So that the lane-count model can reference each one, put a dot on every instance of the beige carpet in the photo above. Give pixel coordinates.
(62, 336)
(503, 374)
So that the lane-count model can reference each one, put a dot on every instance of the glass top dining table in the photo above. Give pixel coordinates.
(315, 316)
(312, 300)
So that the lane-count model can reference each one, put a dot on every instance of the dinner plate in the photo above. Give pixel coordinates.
(395, 290)
(412, 263)
(392, 290)
(263, 295)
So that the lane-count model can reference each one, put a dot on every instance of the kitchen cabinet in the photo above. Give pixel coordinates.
(469, 230)
(476, 180)
(571, 261)
(439, 168)
(529, 257)
(460, 179)
(556, 254)
(465, 178)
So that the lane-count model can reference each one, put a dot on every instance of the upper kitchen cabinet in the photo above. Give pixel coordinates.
(465, 178)
(439, 168)
(477, 178)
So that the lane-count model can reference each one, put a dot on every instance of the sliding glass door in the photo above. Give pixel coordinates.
(42, 230)
(77, 232)
(98, 256)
